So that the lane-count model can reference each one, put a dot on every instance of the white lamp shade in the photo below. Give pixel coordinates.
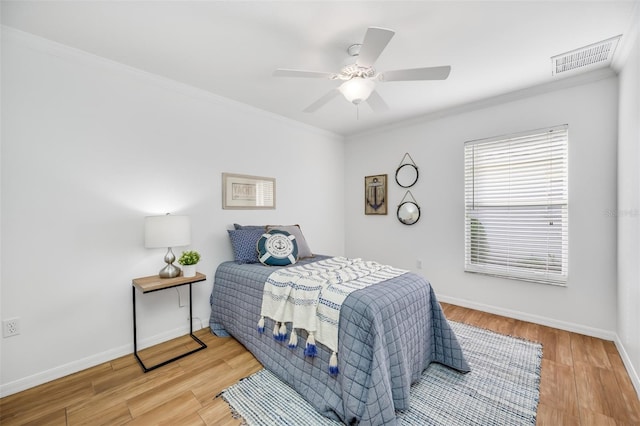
(167, 231)
(357, 89)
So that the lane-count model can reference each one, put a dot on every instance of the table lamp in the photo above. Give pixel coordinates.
(167, 231)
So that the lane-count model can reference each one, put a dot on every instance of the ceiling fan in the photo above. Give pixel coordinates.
(359, 79)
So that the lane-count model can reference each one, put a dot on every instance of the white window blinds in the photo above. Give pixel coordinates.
(516, 206)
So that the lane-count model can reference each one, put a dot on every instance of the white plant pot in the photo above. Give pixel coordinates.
(189, 270)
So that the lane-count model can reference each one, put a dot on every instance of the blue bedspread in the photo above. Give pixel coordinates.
(388, 334)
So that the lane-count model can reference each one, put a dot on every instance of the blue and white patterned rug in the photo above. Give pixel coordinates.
(501, 389)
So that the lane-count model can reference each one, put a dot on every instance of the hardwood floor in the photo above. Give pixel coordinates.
(583, 383)
(583, 380)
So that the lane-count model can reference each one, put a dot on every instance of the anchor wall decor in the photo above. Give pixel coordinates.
(375, 194)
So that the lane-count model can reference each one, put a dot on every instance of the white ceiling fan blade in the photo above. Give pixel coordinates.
(376, 102)
(282, 72)
(430, 73)
(322, 101)
(375, 40)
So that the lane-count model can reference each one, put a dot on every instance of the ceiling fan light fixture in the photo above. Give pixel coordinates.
(359, 76)
(357, 89)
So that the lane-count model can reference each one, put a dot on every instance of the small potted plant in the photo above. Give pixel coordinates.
(189, 259)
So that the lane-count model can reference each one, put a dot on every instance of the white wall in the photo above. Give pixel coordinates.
(629, 211)
(90, 147)
(588, 303)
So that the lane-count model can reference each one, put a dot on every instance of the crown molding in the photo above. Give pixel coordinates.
(50, 47)
(628, 40)
(560, 84)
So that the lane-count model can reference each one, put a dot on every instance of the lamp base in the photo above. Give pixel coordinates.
(169, 271)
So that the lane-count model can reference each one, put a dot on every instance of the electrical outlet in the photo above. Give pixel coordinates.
(10, 327)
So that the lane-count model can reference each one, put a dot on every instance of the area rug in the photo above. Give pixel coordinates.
(501, 389)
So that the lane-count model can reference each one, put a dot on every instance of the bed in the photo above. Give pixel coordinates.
(388, 333)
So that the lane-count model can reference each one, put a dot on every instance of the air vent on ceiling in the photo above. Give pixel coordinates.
(591, 56)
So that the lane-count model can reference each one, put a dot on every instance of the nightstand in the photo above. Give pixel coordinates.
(155, 283)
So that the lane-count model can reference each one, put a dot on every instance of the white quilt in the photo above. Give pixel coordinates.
(309, 296)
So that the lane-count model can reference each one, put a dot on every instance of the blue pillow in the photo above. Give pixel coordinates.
(244, 243)
(261, 227)
(277, 248)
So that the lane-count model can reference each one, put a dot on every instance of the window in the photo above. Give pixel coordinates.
(516, 206)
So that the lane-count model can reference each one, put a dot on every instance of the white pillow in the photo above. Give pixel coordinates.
(277, 248)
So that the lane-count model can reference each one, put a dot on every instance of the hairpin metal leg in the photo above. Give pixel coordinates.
(201, 344)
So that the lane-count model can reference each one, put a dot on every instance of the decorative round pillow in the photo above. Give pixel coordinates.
(277, 248)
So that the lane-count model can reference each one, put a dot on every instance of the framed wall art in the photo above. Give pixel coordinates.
(248, 192)
(375, 194)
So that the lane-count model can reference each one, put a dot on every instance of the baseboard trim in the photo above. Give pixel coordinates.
(537, 319)
(633, 374)
(91, 361)
(562, 325)
(28, 382)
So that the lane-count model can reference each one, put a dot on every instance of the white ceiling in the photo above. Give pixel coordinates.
(231, 48)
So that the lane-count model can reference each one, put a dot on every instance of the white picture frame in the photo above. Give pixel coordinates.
(245, 192)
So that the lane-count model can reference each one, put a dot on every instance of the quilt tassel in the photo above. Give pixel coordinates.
(282, 334)
(261, 325)
(310, 349)
(276, 330)
(333, 364)
(293, 340)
